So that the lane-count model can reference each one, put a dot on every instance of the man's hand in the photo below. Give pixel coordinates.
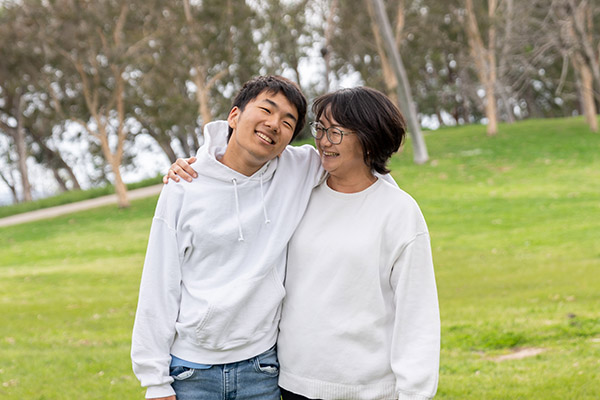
(181, 168)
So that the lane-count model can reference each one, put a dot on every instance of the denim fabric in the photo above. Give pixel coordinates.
(252, 379)
(178, 362)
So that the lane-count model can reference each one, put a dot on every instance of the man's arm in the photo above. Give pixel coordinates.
(158, 304)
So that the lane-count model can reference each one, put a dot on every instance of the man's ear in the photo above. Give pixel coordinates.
(233, 117)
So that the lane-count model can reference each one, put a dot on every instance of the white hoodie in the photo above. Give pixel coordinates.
(212, 283)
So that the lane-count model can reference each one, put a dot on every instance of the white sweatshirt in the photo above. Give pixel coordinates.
(360, 319)
(212, 283)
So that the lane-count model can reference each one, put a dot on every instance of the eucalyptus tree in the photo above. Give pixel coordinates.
(201, 53)
(94, 48)
(358, 44)
(572, 28)
(403, 85)
(18, 71)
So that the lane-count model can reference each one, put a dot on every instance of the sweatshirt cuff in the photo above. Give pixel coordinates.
(165, 390)
(412, 396)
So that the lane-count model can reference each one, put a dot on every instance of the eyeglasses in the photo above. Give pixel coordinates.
(334, 134)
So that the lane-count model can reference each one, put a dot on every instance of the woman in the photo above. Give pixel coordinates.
(360, 319)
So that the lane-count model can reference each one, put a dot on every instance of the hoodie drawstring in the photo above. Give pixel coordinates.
(237, 209)
(262, 193)
(237, 206)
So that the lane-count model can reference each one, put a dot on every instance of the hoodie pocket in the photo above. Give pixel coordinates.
(243, 314)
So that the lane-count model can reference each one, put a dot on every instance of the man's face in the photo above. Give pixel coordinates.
(263, 129)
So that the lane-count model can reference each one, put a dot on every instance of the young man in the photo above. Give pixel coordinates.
(212, 285)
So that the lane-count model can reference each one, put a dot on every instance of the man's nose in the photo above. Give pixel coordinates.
(273, 122)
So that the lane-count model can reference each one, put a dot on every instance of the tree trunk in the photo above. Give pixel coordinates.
(587, 93)
(11, 186)
(168, 150)
(120, 187)
(485, 61)
(163, 140)
(404, 94)
(114, 161)
(203, 91)
(55, 161)
(389, 77)
(326, 50)
(510, 115)
(61, 182)
(22, 152)
(491, 111)
(203, 98)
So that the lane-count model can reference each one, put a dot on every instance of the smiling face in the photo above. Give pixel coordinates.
(344, 160)
(261, 131)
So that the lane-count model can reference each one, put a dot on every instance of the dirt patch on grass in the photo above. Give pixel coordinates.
(519, 354)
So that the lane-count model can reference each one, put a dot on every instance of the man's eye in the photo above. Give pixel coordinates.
(265, 109)
(288, 124)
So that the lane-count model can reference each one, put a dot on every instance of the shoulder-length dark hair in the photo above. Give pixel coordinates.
(377, 122)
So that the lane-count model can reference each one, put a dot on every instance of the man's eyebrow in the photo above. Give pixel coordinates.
(271, 102)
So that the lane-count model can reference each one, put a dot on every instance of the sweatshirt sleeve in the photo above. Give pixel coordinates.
(416, 333)
(158, 307)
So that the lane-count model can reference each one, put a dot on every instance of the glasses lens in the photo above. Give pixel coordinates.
(335, 136)
(316, 130)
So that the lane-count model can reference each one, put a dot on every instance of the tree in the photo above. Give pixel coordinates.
(484, 58)
(18, 70)
(578, 40)
(95, 45)
(404, 93)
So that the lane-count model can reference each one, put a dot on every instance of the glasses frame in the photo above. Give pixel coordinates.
(316, 126)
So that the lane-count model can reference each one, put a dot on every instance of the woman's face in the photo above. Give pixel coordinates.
(343, 160)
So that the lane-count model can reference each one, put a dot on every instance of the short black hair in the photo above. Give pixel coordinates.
(377, 122)
(273, 84)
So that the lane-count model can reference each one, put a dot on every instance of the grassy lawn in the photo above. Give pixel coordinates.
(515, 226)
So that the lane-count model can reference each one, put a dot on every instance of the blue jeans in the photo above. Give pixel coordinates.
(252, 379)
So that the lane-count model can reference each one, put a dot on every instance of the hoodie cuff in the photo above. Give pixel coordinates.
(165, 390)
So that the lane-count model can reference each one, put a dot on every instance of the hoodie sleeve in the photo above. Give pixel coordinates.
(307, 162)
(158, 306)
(416, 333)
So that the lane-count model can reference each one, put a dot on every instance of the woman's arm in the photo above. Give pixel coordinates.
(181, 168)
(416, 333)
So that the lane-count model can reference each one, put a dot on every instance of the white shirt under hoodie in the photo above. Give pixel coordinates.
(212, 283)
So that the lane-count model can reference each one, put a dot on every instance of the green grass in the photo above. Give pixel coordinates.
(515, 227)
(71, 197)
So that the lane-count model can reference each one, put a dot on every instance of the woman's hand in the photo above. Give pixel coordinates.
(181, 168)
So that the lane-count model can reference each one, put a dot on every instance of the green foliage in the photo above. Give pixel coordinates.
(514, 222)
(71, 197)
